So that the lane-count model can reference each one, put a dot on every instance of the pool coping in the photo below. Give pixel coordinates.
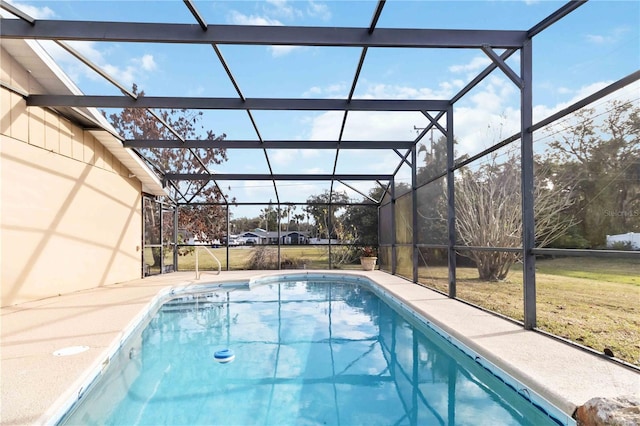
(36, 386)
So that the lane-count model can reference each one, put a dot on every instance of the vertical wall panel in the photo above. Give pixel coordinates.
(36, 127)
(51, 132)
(19, 128)
(65, 137)
(88, 150)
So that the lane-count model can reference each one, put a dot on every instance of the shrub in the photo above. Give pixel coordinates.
(267, 258)
(622, 245)
(368, 251)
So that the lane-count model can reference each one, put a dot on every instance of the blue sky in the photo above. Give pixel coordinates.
(592, 47)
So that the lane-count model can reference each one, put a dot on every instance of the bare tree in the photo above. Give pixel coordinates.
(206, 222)
(488, 214)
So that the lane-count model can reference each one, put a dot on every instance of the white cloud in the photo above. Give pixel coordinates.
(283, 156)
(147, 62)
(337, 90)
(33, 11)
(476, 64)
(126, 74)
(483, 119)
(315, 90)
(390, 91)
(612, 37)
(597, 39)
(282, 8)
(289, 156)
(241, 19)
(492, 96)
(326, 126)
(196, 91)
(542, 111)
(478, 128)
(318, 10)
(277, 51)
(278, 3)
(89, 50)
(315, 171)
(254, 189)
(298, 191)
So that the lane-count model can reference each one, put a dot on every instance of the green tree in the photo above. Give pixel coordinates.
(324, 213)
(243, 224)
(269, 217)
(364, 219)
(432, 198)
(602, 152)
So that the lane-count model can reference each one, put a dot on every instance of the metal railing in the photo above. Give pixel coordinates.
(211, 254)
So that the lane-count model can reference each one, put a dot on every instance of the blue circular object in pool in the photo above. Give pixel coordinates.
(224, 356)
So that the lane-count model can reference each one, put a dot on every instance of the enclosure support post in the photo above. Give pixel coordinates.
(175, 237)
(394, 258)
(451, 205)
(228, 235)
(161, 205)
(142, 237)
(414, 213)
(329, 227)
(527, 187)
(279, 237)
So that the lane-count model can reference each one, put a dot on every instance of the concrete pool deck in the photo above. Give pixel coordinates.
(36, 384)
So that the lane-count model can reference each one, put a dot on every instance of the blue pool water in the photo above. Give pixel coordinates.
(311, 352)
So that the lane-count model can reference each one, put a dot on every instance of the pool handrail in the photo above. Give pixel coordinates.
(212, 255)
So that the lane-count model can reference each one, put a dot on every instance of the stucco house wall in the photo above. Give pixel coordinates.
(70, 216)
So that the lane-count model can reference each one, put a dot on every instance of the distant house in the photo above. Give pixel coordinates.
(295, 237)
(262, 237)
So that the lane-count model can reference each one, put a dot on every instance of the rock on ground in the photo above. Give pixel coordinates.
(618, 411)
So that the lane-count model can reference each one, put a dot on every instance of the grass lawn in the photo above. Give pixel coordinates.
(314, 257)
(592, 301)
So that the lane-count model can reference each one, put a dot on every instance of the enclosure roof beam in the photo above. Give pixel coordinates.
(496, 59)
(555, 17)
(403, 160)
(16, 12)
(605, 91)
(141, 32)
(403, 157)
(473, 83)
(194, 11)
(540, 124)
(287, 203)
(434, 122)
(282, 177)
(376, 15)
(358, 191)
(133, 96)
(270, 104)
(363, 55)
(270, 144)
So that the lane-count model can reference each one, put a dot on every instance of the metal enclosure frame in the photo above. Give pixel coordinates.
(488, 41)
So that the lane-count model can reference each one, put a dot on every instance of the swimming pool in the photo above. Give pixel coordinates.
(308, 350)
